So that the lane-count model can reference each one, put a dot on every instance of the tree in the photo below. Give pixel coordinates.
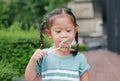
(27, 11)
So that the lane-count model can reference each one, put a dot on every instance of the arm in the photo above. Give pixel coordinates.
(85, 76)
(30, 72)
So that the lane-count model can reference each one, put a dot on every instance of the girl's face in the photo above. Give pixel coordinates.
(62, 28)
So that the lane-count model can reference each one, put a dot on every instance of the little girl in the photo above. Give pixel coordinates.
(54, 64)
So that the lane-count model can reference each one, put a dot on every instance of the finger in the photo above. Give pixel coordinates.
(37, 54)
(45, 52)
(41, 53)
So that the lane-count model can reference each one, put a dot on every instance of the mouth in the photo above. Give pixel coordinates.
(64, 45)
(65, 41)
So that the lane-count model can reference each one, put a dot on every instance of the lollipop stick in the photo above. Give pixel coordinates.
(62, 45)
(54, 49)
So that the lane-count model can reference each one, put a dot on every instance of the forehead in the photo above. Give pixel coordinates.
(61, 19)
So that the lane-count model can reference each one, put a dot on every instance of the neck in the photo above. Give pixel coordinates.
(61, 52)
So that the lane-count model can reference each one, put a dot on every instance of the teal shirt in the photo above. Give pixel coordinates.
(62, 68)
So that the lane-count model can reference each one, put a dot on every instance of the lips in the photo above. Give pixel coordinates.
(64, 45)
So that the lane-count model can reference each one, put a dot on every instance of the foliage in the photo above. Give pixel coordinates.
(16, 53)
(29, 12)
(7, 71)
(82, 47)
(16, 48)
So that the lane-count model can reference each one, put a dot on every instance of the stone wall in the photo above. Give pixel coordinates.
(84, 12)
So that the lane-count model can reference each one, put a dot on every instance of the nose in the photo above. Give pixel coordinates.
(63, 34)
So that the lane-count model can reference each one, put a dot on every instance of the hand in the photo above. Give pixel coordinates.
(38, 54)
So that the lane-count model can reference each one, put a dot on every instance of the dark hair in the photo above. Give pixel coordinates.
(46, 24)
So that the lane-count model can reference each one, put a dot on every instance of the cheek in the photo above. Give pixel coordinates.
(72, 36)
(55, 38)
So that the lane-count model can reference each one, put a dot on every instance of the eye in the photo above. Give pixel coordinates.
(69, 30)
(57, 31)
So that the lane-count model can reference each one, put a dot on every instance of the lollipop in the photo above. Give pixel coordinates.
(64, 45)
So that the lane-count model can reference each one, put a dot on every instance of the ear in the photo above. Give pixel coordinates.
(76, 29)
(48, 32)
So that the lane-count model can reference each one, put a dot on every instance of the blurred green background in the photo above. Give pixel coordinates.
(19, 33)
